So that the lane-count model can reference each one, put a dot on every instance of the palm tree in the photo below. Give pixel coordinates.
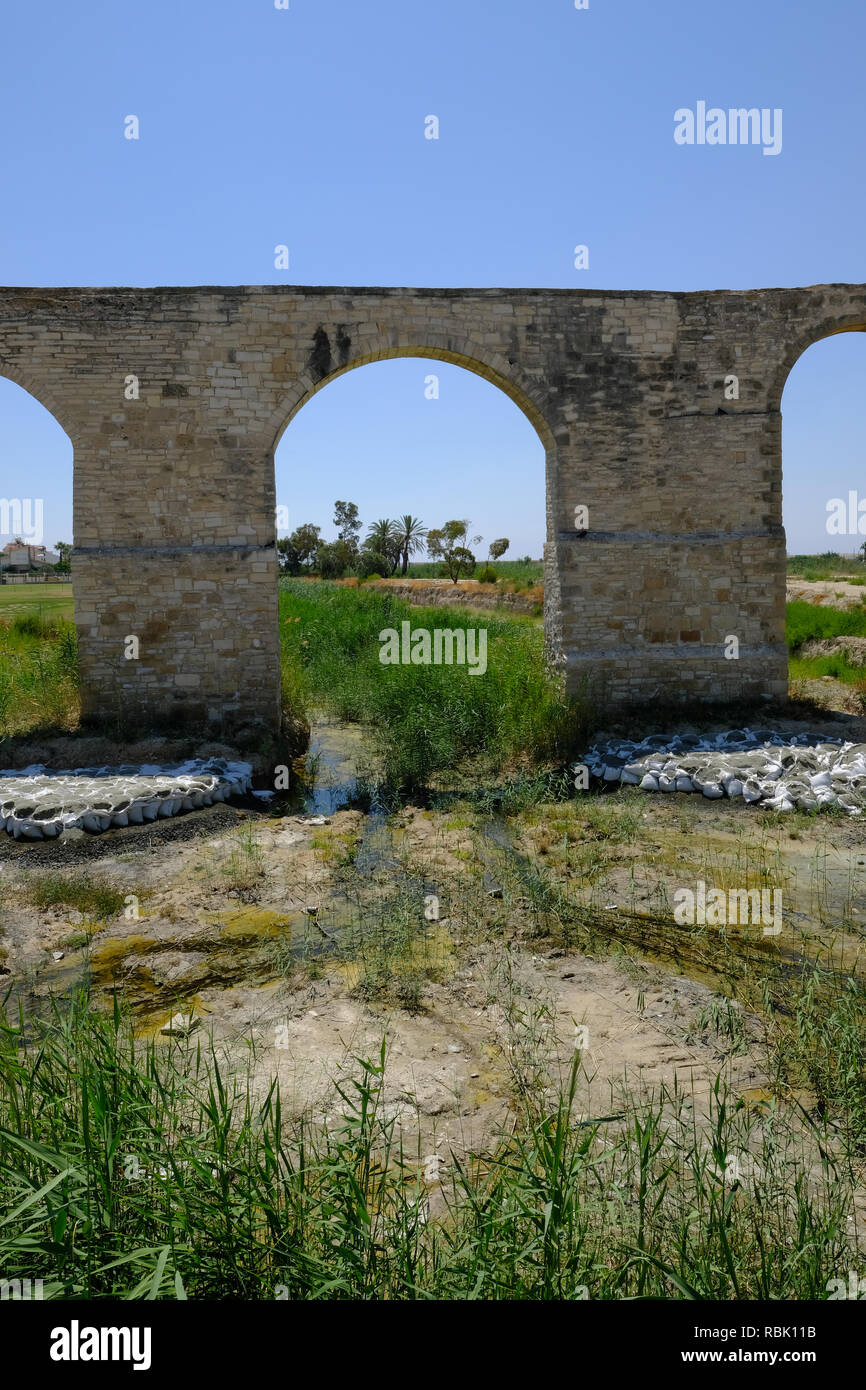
(413, 533)
(383, 537)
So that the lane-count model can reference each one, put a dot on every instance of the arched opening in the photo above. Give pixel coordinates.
(824, 515)
(38, 671)
(418, 442)
(500, 374)
(447, 441)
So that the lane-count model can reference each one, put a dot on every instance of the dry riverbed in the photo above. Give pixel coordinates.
(223, 933)
(479, 949)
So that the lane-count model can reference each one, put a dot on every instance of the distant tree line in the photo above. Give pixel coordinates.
(385, 550)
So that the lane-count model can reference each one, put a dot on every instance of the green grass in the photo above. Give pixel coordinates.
(805, 622)
(38, 672)
(94, 897)
(817, 667)
(45, 600)
(428, 720)
(830, 565)
(38, 658)
(153, 1172)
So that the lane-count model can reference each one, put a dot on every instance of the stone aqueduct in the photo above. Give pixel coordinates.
(174, 501)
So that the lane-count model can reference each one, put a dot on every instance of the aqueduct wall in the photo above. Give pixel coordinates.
(174, 505)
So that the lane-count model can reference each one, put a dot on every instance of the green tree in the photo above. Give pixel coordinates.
(450, 543)
(305, 542)
(64, 550)
(372, 562)
(348, 524)
(288, 556)
(412, 536)
(335, 559)
(383, 538)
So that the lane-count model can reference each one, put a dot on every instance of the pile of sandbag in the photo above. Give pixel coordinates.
(762, 766)
(37, 803)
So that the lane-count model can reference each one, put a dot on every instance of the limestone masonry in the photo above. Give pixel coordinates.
(659, 413)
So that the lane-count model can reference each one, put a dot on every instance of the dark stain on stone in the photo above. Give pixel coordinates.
(174, 388)
(344, 343)
(154, 630)
(319, 360)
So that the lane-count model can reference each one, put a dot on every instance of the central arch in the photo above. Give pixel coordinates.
(498, 372)
(490, 367)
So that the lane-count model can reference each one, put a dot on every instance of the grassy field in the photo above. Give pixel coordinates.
(38, 658)
(43, 600)
(805, 622)
(428, 720)
(827, 566)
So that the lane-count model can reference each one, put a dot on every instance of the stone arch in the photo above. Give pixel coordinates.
(828, 327)
(48, 408)
(41, 393)
(491, 367)
(495, 370)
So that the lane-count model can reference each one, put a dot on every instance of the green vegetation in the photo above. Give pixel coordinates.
(45, 600)
(38, 660)
(450, 544)
(386, 549)
(817, 667)
(243, 868)
(805, 622)
(153, 1172)
(830, 565)
(428, 720)
(94, 897)
(517, 574)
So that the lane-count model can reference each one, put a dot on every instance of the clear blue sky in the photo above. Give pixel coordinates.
(306, 127)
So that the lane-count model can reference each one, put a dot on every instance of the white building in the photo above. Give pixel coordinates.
(19, 558)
